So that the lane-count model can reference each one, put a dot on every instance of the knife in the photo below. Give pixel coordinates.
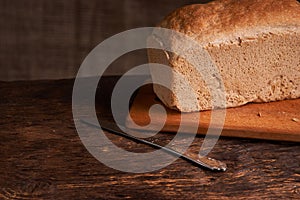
(203, 162)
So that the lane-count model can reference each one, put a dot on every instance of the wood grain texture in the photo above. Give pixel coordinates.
(36, 35)
(274, 121)
(42, 156)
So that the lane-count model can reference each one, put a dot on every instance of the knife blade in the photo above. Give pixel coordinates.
(204, 162)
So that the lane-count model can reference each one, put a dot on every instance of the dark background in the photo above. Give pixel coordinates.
(48, 39)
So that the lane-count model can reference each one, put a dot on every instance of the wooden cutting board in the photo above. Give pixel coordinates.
(274, 121)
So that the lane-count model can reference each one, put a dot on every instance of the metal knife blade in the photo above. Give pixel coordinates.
(204, 162)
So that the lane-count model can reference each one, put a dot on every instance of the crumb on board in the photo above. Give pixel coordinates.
(295, 119)
(259, 114)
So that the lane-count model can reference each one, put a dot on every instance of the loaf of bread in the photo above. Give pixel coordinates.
(254, 44)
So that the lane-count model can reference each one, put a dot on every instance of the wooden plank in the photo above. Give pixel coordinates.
(273, 121)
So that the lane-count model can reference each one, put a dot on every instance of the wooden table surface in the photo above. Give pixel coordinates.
(42, 156)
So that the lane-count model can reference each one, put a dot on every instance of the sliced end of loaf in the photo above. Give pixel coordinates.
(262, 69)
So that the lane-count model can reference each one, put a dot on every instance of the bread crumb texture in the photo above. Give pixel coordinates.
(255, 46)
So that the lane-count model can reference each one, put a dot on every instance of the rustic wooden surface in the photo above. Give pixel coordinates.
(42, 157)
(37, 33)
